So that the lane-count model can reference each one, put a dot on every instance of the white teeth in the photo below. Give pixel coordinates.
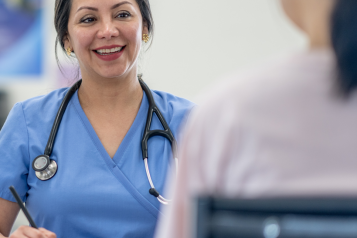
(108, 51)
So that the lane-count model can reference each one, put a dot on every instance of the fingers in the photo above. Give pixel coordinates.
(30, 232)
(27, 232)
(48, 233)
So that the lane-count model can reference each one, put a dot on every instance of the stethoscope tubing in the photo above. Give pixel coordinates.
(150, 133)
(43, 174)
(58, 119)
(159, 197)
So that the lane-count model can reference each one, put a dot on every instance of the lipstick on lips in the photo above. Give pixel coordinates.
(109, 53)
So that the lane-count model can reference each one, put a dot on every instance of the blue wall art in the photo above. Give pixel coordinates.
(21, 38)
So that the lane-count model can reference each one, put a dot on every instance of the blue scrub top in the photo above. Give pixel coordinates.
(92, 195)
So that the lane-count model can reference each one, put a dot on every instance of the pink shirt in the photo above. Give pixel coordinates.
(281, 130)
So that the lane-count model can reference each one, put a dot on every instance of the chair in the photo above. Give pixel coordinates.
(276, 218)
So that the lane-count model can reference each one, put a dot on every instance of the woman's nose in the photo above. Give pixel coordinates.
(108, 30)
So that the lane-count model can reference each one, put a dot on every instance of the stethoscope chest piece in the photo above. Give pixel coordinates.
(44, 167)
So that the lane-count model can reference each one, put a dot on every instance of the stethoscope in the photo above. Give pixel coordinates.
(45, 168)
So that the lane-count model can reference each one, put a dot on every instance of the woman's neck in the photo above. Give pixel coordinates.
(111, 95)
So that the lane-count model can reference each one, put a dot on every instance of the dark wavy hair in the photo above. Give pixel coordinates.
(344, 42)
(62, 11)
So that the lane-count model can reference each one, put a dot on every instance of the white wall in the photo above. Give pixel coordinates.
(196, 41)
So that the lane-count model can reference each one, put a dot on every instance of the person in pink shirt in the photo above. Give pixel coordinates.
(286, 129)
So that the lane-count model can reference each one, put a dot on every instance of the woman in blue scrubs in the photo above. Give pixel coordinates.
(100, 188)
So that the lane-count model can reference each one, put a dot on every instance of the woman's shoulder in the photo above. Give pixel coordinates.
(36, 111)
(281, 79)
(175, 109)
(44, 104)
(43, 100)
(168, 101)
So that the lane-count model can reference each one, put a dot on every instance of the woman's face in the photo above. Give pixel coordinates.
(106, 36)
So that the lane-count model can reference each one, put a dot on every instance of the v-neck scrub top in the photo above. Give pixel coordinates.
(91, 195)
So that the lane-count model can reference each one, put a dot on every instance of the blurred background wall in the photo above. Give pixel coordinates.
(196, 42)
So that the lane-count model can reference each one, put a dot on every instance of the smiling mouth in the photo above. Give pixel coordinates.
(109, 51)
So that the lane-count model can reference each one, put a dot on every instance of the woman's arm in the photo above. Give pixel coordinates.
(8, 214)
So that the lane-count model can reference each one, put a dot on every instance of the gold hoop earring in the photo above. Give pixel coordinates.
(146, 38)
(69, 51)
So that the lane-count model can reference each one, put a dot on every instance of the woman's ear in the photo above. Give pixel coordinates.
(66, 42)
(145, 28)
(67, 45)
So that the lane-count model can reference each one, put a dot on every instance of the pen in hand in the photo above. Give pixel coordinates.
(23, 208)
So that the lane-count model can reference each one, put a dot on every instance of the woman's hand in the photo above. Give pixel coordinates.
(30, 232)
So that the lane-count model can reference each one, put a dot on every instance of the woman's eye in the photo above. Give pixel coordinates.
(88, 20)
(123, 15)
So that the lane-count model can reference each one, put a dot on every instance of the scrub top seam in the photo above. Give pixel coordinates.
(27, 133)
(139, 198)
(136, 197)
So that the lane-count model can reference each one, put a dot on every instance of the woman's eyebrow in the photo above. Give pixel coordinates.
(96, 9)
(121, 3)
(85, 7)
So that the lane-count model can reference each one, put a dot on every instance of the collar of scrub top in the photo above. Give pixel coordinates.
(45, 168)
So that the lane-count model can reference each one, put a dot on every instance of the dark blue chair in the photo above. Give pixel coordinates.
(276, 218)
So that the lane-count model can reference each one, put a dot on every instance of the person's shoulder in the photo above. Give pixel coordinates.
(44, 104)
(37, 111)
(55, 95)
(240, 92)
(174, 109)
(280, 78)
(168, 101)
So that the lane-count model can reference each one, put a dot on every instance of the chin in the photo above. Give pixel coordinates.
(114, 74)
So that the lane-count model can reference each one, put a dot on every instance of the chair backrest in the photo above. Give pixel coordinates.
(276, 218)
